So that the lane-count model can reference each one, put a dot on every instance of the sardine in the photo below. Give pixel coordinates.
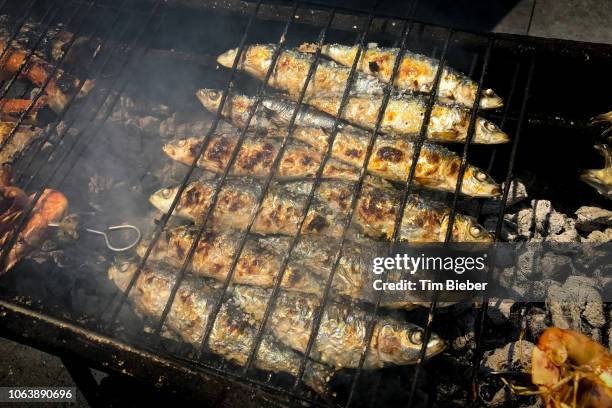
(213, 257)
(604, 118)
(233, 334)
(256, 156)
(271, 112)
(20, 140)
(292, 68)
(601, 179)
(423, 220)
(342, 333)
(284, 206)
(391, 157)
(416, 72)
(281, 211)
(261, 258)
(404, 116)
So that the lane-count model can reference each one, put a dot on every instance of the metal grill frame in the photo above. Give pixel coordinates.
(97, 121)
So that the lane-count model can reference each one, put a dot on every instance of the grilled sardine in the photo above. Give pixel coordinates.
(261, 259)
(281, 211)
(416, 72)
(341, 337)
(601, 179)
(404, 116)
(256, 156)
(232, 336)
(284, 206)
(292, 68)
(391, 158)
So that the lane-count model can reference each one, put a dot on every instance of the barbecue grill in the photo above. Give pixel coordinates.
(163, 52)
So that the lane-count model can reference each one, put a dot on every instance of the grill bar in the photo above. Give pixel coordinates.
(30, 51)
(95, 125)
(194, 245)
(124, 74)
(18, 27)
(87, 70)
(405, 193)
(502, 125)
(11, 242)
(480, 323)
(27, 59)
(453, 212)
(274, 167)
(363, 171)
(275, 291)
(162, 225)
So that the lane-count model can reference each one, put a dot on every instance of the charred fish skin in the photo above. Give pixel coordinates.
(235, 204)
(341, 336)
(215, 252)
(423, 220)
(416, 72)
(271, 112)
(232, 335)
(404, 116)
(285, 203)
(232, 324)
(256, 156)
(261, 258)
(281, 211)
(391, 158)
(292, 68)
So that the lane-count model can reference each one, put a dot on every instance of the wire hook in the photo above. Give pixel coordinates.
(115, 228)
(106, 237)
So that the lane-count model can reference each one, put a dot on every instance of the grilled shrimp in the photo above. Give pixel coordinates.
(570, 369)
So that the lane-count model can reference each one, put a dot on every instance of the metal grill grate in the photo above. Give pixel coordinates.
(120, 26)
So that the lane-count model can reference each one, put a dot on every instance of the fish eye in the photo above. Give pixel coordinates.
(124, 267)
(416, 336)
(166, 192)
(182, 143)
(475, 231)
(490, 126)
(214, 94)
(480, 176)
(489, 92)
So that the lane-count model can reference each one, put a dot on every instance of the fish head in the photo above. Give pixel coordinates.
(210, 98)
(490, 100)
(466, 229)
(121, 273)
(488, 132)
(162, 199)
(599, 179)
(477, 183)
(183, 150)
(402, 343)
(227, 58)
